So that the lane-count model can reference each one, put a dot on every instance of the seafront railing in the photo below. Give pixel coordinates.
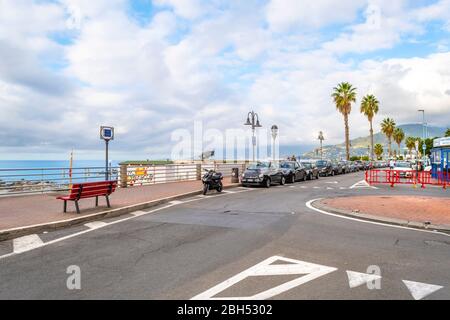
(39, 180)
(16, 181)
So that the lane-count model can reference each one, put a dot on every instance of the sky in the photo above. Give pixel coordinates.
(149, 68)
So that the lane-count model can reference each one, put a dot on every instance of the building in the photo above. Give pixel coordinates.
(440, 156)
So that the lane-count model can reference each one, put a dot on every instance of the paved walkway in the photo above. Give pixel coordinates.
(411, 208)
(20, 211)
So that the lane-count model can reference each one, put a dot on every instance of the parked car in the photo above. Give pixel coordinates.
(325, 167)
(293, 171)
(361, 165)
(345, 166)
(353, 166)
(263, 173)
(403, 169)
(312, 172)
(337, 168)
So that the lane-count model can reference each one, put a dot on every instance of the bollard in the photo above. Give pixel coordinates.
(123, 176)
(235, 175)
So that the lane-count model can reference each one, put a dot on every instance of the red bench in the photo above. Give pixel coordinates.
(89, 190)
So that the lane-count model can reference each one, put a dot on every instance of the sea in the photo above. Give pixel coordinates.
(53, 170)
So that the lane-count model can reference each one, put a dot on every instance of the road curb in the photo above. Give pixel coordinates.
(369, 217)
(12, 233)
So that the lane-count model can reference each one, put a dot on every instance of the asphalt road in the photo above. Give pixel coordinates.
(189, 248)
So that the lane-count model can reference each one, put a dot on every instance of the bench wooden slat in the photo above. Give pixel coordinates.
(89, 190)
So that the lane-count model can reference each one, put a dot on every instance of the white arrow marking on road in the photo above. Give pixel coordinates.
(95, 224)
(355, 279)
(309, 271)
(26, 243)
(362, 184)
(420, 290)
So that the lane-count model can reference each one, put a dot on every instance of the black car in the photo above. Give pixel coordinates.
(337, 168)
(263, 173)
(325, 167)
(293, 171)
(312, 172)
(345, 166)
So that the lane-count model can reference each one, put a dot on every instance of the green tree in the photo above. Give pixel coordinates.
(428, 145)
(378, 149)
(447, 133)
(398, 136)
(369, 107)
(388, 127)
(410, 143)
(343, 96)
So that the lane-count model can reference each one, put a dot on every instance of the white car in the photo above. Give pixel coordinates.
(403, 168)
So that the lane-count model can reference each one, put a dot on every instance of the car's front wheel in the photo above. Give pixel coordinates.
(268, 182)
(282, 181)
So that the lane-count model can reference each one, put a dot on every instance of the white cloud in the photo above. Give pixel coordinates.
(150, 79)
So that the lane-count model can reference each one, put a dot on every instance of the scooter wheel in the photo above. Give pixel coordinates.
(220, 188)
(205, 189)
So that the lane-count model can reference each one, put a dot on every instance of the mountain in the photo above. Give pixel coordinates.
(360, 146)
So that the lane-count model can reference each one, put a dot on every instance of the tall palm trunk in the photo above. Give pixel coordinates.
(389, 146)
(371, 141)
(347, 136)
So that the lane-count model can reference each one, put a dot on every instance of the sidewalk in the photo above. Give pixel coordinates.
(415, 211)
(21, 211)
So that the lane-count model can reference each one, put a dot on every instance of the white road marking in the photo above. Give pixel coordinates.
(95, 224)
(332, 182)
(355, 279)
(138, 213)
(328, 188)
(362, 185)
(420, 290)
(26, 243)
(303, 187)
(227, 191)
(308, 272)
(316, 187)
(175, 202)
(342, 188)
(308, 204)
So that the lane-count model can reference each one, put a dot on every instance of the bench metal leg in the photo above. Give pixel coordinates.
(65, 206)
(76, 206)
(96, 201)
(107, 201)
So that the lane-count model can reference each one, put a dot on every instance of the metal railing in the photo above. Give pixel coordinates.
(40, 180)
(16, 181)
(135, 175)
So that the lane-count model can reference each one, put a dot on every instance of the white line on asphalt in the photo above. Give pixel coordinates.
(328, 188)
(308, 204)
(174, 202)
(26, 243)
(95, 224)
(332, 182)
(227, 191)
(308, 272)
(420, 290)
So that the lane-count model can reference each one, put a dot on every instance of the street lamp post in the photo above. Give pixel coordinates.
(274, 136)
(321, 138)
(424, 147)
(253, 120)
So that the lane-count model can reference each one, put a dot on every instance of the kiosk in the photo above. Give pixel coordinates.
(440, 156)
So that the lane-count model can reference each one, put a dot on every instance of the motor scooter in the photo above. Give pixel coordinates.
(212, 180)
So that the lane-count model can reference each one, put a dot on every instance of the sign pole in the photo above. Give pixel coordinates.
(106, 162)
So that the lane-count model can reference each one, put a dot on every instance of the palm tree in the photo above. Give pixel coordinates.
(410, 143)
(388, 127)
(378, 149)
(343, 96)
(447, 133)
(398, 136)
(369, 107)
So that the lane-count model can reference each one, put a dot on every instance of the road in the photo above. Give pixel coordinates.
(189, 248)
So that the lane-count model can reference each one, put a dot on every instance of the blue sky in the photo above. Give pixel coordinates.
(150, 68)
